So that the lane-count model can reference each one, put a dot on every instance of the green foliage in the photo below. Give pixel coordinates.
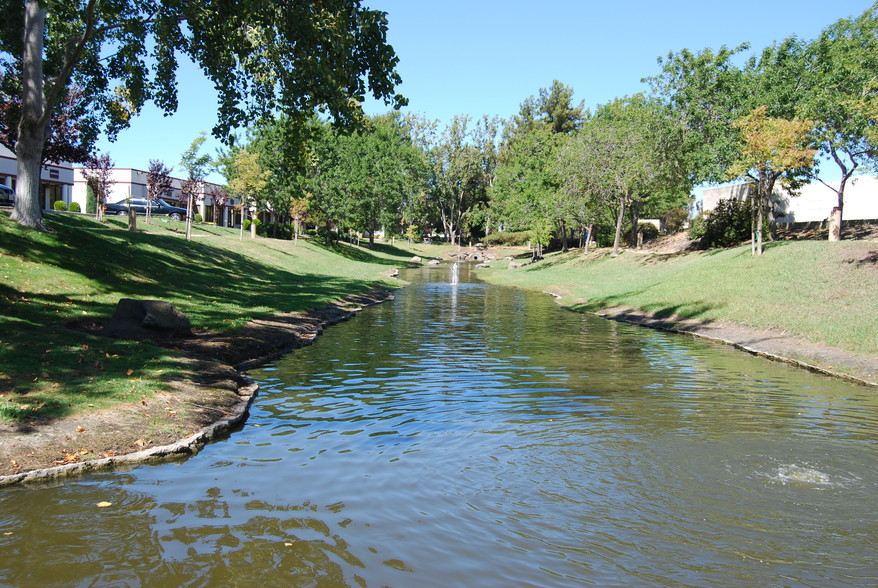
(198, 218)
(675, 219)
(649, 231)
(275, 230)
(246, 224)
(74, 207)
(726, 225)
(91, 201)
(697, 227)
(510, 239)
(60, 206)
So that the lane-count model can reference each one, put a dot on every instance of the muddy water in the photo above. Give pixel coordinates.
(470, 435)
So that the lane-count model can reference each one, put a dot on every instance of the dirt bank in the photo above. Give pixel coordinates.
(207, 403)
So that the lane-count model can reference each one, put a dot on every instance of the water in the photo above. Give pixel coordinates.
(470, 435)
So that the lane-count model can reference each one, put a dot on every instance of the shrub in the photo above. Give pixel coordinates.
(726, 225)
(697, 227)
(649, 230)
(675, 219)
(74, 207)
(519, 238)
(91, 201)
(246, 224)
(199, 218)
(60, 206)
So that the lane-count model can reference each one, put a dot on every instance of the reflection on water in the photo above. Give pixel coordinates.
(472, 435)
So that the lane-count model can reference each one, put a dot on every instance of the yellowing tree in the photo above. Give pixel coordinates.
(772, 150)
(248, 182)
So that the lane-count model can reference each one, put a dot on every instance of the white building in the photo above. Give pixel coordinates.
(56, 179)
(814, 203)
(131, 183)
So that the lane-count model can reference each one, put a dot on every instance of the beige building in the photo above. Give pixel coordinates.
(56, 179)
(131, 183)
(814, 202)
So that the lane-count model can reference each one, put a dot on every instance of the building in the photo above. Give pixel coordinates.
(813, 203)
(56, 179)
(131, 183)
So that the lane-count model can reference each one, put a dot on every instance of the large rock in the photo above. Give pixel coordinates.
(147, 319)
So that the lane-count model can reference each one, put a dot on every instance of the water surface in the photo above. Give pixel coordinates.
(472, 435)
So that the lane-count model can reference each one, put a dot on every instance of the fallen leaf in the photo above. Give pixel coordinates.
(104, 504)
(80, 429)
(83, 451)
(140, 443)
(8, 533)
(129, 372)
(288, 544)
(109, 454)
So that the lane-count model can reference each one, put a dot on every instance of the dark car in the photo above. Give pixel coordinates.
(7, 195)
(139, 205)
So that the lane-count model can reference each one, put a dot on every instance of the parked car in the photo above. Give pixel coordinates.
(159, 208)
(7, 195)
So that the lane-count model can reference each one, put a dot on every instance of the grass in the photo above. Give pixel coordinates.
(826, 292)
(221, 282)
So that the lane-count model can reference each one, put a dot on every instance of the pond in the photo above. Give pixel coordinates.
(474, 435)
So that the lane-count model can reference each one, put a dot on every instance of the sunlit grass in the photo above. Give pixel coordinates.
(825, 292)
(219, 280)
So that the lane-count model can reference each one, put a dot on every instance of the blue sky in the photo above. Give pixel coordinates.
(481, 57)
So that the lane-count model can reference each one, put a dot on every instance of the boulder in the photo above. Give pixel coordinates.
(147, 319)
(416, 259)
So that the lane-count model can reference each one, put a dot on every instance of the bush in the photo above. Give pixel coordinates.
(726, 225)
(697, 227)
(91, 201)
(246, 224)
(649, 230)
(74, 207)
(198, 218)
(60, 206)
(510, 239)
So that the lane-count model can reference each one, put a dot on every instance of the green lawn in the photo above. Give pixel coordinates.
(825, 292)
(217, 279)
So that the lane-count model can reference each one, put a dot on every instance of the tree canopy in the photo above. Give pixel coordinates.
(263, 57)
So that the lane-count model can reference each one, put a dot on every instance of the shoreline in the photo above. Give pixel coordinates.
(214, 399)
(771, 344)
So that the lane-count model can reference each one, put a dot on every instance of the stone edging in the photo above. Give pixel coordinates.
(188, 446)
(644, 320)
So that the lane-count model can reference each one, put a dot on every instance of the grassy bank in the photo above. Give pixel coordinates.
(821, 291)
(80, 273)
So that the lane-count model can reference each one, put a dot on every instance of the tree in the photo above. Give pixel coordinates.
(841, 65)
(261, 55)
(98, 176)
(462, 165)
(773, 149)
(71, 133)
(628, 157)
(197, 167)
(220, 199)
(247, 180)
(158, 183)
(527, 192)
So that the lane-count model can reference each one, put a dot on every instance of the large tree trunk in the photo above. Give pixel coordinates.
(619, 220)
(635, 222)
(33, 123)
(564, 246)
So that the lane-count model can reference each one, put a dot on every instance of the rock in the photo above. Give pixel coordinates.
(434, 262)
(508, 258)
(145, 319)
(483, 265)
(513, 265)
(416, 259)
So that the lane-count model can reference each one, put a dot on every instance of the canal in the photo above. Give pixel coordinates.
(473, 435)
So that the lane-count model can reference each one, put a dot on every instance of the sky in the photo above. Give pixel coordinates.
(485, 57)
